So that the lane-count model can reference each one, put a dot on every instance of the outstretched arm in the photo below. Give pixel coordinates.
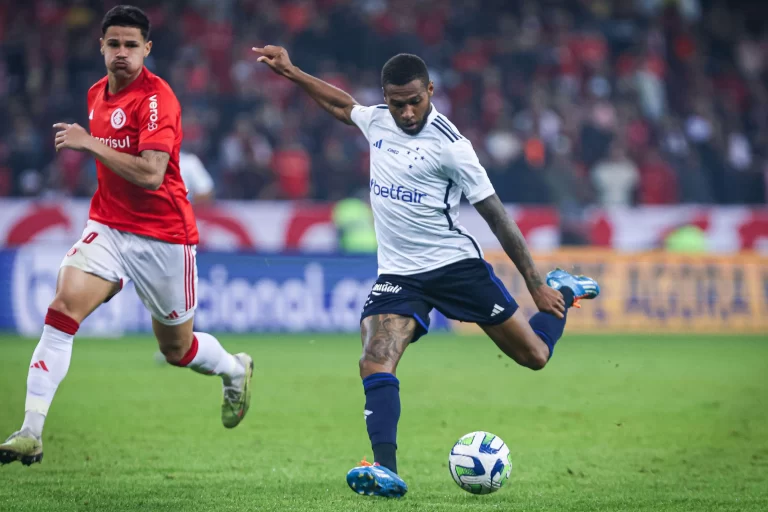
(513, 242)
(337, 102)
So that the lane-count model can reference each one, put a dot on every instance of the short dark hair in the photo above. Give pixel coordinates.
(403, 69)
(126, 16)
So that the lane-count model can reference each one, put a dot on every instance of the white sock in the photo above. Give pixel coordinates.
(210, 358)
(49, 366)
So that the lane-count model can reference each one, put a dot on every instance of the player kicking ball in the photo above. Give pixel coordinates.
(420, 166)
(140, 227)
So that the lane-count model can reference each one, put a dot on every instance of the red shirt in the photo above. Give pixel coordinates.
(292, 167)
(144, 116)
(658, 184)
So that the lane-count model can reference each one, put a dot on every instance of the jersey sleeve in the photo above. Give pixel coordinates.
(460, 163)
(363, 117)
(158, 121)
(195, 175)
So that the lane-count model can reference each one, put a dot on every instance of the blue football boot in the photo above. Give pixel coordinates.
(375, 480)
(583, 287)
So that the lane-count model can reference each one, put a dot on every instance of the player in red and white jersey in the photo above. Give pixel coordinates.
(141, 228)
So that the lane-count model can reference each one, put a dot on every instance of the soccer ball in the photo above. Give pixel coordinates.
(480, 463)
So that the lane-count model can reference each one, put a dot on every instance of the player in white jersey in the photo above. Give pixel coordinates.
(420, 167)
(196, 177)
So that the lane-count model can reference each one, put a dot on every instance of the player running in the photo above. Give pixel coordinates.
(420, 166)
(140, 227)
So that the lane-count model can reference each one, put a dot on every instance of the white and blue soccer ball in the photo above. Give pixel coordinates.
(480, 462)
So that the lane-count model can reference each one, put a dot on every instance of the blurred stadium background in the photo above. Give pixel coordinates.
(618, 127)
(629, 139)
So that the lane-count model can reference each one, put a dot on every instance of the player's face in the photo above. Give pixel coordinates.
(124, 50)
(409, 104)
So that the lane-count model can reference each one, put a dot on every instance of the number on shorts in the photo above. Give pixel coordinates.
(90, 237)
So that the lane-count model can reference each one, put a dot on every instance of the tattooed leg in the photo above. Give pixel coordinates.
(385, 338)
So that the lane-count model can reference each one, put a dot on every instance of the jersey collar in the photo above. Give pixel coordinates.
(432, 115)
(131, 86)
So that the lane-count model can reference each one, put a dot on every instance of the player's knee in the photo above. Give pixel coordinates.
(368, 366)
(174, 341)
(62, 305)
(531, 352)
(537, 358)
(174, 351)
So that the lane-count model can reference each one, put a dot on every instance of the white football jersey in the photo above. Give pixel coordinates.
(194, 174)
(416, 182)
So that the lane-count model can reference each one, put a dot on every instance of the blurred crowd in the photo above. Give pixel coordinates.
(569, 102)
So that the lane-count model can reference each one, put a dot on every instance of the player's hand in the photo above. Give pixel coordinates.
(276, 57)
(71, 136)
(549, 300)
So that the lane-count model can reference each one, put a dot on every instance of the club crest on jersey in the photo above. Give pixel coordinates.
(152, 125)
(118, 118)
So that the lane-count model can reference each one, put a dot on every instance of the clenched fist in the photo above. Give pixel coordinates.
(71, 136)
(276, 57)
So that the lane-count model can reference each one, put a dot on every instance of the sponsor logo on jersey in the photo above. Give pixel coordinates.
(118, 118)
(114, 143)
(387, 287)
(152, 125)
(397, 193)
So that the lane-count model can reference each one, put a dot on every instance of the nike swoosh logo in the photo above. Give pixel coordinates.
(376, 293)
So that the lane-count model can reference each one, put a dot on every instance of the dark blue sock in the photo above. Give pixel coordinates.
(550, 328)
(382, 412)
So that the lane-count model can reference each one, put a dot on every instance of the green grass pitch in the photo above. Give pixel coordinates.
(614, 423)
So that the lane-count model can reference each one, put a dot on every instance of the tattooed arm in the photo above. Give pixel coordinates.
(510, 238)
(513, 242)
(146, 170)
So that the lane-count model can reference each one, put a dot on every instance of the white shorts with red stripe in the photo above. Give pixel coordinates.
(165, 275)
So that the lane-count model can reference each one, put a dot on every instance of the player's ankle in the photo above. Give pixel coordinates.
(568, 296)
(235, 376)
(33, 423)
(386, 455)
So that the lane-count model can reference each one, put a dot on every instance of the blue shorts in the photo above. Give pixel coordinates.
(467, 290)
